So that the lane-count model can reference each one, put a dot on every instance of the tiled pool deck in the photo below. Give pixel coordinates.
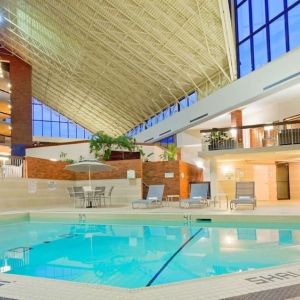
(245, 285)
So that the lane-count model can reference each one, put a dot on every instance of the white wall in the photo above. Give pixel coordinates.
(74, 151)
(237, 94)
(124, 192)
(24, 194)
(273, 111)
(188, 138)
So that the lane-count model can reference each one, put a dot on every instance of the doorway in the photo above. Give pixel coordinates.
(282, 180)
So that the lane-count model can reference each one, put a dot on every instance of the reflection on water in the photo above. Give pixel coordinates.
(130, 255)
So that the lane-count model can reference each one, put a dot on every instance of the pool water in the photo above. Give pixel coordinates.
(135, 255)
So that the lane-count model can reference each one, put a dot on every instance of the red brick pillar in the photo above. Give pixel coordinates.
(21, 100)
(237, 121)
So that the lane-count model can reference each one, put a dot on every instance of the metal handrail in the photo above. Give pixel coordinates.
(281, 134)
(12, 167)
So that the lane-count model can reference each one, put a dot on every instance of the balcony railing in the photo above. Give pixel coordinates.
(5, 140)
(11, 167)
(253, 136)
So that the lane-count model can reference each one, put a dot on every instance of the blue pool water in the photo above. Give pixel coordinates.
(135, 255)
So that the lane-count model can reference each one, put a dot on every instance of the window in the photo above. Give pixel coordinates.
(259, 14)
(277, 38)
(275, 8)
(166, 113)
(245, 58)
(294, 27)
(265, 29)
(48, 122)
(46, 128)
(38, 128)
(261, 50)
(243, 24)
(168, 140)
(183, 103)
(193, 98)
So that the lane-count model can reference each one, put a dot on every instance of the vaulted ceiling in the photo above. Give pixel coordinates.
(110, 64)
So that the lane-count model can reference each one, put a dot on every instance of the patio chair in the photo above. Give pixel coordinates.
(108, 196)
(154, 196)
(198, 195)
(98, 195)
(79, 195)
(244, 195)
(71, 194)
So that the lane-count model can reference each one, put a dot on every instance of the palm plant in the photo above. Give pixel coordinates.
(101, 144)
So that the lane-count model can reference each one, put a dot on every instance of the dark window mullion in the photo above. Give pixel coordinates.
(286, 25)
(237, 38)
(251, 34)
(241, 3)
(268, 30)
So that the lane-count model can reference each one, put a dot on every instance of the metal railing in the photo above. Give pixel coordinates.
(248, 137)
(12, 167)
(5, 140)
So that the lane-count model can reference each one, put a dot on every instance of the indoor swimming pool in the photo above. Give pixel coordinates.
(133, 255)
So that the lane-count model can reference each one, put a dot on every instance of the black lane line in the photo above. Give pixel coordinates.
(172, 257)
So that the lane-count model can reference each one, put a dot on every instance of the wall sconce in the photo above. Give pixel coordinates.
(130, 174)
(200, 164)
(227, 172)
(268, 128)
(4, 158)
(233, 132)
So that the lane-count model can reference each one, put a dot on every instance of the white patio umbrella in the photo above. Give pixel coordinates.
(89, 166)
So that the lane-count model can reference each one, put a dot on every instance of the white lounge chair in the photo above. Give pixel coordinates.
(198, 195)
(245, 195)
(154, 196)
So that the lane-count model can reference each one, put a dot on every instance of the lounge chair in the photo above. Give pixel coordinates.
(244, 195)
(198, 195)
(154, 196)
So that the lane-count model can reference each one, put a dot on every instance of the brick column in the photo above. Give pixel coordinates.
(236, 121)
(21, 100)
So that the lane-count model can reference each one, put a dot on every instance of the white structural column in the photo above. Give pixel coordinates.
(213, 178)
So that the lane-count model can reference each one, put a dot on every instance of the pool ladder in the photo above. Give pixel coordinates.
(187, 217)
(81, 218)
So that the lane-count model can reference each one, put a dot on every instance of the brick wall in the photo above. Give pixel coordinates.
(46, 169)
(21, 93)
(119, 170)
(154, 173)
(150, 172)
(188, 173)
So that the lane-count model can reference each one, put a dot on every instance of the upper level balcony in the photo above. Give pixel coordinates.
(260, 136)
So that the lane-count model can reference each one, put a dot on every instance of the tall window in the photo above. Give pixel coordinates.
(48, 122)
(168, 140)
(166, 113)
(265, 29)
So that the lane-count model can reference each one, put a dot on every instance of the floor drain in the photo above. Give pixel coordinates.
(47, 242)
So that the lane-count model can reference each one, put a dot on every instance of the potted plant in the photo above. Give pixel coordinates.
(170, 153)
(219, 140)
(102, 144)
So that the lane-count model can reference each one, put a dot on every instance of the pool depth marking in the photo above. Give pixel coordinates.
(172, 257)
